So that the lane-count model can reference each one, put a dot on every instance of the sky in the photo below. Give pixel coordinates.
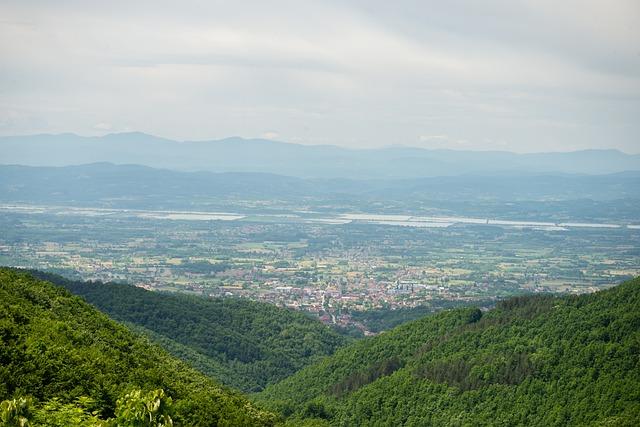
(523, 76)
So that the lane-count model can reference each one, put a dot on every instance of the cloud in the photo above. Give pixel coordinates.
(270, 135)
(427, 138)
(537, 74)
(103, 126)
(445, 141)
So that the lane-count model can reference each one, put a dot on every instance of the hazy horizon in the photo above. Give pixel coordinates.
(321, 213)
(281, 158)
(282, 141)
(527, 76)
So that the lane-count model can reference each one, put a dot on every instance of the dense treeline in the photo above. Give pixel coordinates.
(384, 319)
(62, 362)
(243, 344)
(319, 380)
(537, 360)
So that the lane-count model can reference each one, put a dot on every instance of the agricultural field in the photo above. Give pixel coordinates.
(329, 268)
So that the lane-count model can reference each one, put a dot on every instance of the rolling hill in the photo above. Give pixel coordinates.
(134, 186)
(535, 361)
(62, 352)
(243, 344)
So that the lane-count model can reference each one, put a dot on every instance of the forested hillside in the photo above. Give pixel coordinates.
(537, 360)
(62, 363)
(243, 344)
(379, 320)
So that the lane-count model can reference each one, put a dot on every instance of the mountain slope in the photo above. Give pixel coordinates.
(243, 344)
(531, 361)
(259, 155)
(143, 187)
(57, 348)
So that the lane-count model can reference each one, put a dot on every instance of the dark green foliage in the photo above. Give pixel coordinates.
(137, 409)
(16, 412)
(541, 360)
(384, 319)
(244, 344)
(57, 349)
(402, 343)
(369, 375)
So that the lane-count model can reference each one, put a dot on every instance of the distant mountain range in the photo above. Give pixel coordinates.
(320, 161)
(141, 186)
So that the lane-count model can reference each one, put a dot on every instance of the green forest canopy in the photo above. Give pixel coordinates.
(67, 356)
(538, 360)
(243, 344)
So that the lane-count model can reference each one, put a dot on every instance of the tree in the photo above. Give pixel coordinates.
(16, 412)
(137, 409)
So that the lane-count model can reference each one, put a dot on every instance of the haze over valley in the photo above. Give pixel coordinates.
(315, 214)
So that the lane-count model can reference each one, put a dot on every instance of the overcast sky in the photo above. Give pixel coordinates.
(511, 75)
